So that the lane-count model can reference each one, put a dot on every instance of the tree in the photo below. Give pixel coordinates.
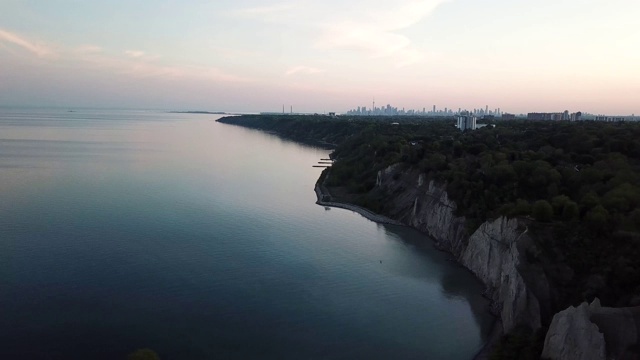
(597, 218)
(522, 208)
(558, 203)
(570, 211)
(542, 211)
(589, 201)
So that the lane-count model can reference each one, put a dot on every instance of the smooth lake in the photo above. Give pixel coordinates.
(122, 230)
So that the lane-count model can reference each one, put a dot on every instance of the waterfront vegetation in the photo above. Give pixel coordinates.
(580, 182)
(577, 185)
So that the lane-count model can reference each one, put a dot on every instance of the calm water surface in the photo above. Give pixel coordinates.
(128, 229)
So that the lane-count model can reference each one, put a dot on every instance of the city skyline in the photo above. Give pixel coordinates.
(252, 56)
(388, 109)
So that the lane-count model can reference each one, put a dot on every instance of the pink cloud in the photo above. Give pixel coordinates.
(31, 46)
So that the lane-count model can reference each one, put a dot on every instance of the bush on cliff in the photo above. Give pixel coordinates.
(542, 211)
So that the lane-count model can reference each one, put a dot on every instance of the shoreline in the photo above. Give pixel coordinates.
(322, 193)
(494, 335)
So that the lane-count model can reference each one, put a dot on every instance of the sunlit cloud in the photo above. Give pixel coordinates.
(142, 65)
(132, 63)
(134, 53)
(376, 34)
(370, 28)
(140, 55)
(37, 48)
(88, 49)
(265, 10)
(303, 70)
(407, 14)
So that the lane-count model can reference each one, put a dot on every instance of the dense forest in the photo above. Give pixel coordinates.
(311, 129)
(577, 183)
(580, 182)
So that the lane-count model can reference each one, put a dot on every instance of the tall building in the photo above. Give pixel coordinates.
(466, 121)
(554, 116)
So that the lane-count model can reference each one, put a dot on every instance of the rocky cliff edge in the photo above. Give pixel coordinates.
(592, 332)
(520, 292)
(492, 252)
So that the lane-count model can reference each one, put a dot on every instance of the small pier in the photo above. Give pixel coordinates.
(324, 163)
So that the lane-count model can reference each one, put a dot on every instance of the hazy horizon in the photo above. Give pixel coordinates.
(253, 56)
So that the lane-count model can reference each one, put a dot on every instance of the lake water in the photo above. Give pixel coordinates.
(132, 229)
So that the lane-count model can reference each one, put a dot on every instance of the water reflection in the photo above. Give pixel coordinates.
(453, 278)
(193, 237)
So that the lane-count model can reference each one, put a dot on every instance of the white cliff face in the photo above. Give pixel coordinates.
(434, 213)
(590, 331)
(385, 173)
(494, 253)
(491, 252)
(572, 335)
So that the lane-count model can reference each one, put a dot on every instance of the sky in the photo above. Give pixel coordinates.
(322, 56)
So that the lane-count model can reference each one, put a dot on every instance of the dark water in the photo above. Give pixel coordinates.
(123, 229)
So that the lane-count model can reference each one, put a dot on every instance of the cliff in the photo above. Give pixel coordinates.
(590, 331)
(493, 252)
(496, 253)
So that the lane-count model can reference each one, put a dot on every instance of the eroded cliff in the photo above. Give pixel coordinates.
(590, 331)
(496, 253)
(492, 251)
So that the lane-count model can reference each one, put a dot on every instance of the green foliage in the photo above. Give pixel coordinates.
(570, 211)
(597, 219)
(589, 201)
(558, 203)
(542, 211)
(522, 208)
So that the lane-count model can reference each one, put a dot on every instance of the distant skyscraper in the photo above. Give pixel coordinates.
(466, 122)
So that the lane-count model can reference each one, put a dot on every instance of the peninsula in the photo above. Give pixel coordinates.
(546, 214)
(199, 112)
